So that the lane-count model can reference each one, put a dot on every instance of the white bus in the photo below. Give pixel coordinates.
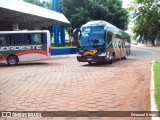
(22, 46)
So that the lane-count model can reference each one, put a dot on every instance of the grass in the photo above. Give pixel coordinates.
(157, 84)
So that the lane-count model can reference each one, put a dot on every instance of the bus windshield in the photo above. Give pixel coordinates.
(92, 36)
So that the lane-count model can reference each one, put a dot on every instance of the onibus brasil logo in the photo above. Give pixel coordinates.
(21, 114)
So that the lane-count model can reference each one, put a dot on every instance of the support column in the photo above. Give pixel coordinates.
(56, 36)
(58, 29)
(62, 34)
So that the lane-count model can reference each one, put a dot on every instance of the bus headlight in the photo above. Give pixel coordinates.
(102, 54)
(79, 55)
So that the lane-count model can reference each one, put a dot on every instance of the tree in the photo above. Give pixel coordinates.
(46, 4)
(80, 11)
(147, 19)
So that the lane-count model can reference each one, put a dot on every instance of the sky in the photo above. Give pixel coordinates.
(125, 2)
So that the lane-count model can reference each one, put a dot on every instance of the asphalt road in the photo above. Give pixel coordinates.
(145, 54)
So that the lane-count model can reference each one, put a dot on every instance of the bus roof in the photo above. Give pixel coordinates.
(102, 23)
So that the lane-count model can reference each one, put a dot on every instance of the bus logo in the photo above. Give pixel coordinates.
(90, 52)
(16, 48)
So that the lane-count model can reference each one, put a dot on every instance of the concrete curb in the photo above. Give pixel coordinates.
(153, 103)
(63, 56)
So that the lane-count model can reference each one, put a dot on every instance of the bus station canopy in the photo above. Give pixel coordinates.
(27, 15)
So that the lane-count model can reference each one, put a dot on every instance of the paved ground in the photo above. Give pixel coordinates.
(64, 84)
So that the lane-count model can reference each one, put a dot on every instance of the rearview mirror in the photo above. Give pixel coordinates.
(76, 34)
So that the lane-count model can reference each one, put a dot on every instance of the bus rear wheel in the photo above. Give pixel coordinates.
(12, 60)
(127, 54)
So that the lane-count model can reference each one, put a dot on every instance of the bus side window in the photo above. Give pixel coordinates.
(24, 39)
(29, 39)
(8, 39)
(44, 38)
(16, 39)
(12, 39)
(1, 40)
(20, 39)
(110, 45)
(36, 38)
(109, 36)
(5, 40)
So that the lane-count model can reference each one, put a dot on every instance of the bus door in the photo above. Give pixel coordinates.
(46, 45)
(121, 49)
(116, 48)
(36, 39)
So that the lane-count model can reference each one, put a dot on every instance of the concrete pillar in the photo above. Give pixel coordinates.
(59, 30)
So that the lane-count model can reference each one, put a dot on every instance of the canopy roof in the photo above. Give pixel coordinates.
(27, 16)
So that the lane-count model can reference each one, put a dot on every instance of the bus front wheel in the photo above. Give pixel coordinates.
(112, 59)
(90, 63)
(12, 60)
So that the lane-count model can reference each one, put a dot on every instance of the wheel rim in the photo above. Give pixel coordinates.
(12, 61)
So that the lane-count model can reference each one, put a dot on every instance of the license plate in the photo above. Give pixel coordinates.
(89, 58)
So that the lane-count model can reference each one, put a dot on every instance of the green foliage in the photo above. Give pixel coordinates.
(157, 84)
(79, 12)
(147, 20)
(46, 4)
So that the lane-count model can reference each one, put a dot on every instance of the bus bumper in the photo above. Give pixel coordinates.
(92, 59)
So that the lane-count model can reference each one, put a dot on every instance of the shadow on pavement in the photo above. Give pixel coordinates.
(120, 62)
(25, 64)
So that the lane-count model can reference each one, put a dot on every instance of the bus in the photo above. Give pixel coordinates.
(23, 46)
(100, 41)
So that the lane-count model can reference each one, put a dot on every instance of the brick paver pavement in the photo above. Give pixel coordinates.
(63, 84)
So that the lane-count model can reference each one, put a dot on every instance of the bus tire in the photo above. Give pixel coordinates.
(90, 63)
(129, 52)
(113, 59)
(126, 55)
(12, 60)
